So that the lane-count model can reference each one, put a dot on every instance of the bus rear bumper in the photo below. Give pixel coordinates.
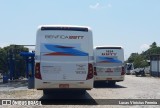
(109, 78)
(42, 85)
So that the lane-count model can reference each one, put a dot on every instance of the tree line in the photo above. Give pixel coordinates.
(141, 60)
(12, 53)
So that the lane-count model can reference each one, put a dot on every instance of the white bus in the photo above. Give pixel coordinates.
(109, 64)
(64, 58)
(129, 68)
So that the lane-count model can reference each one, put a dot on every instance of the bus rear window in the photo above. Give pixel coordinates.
(65, 28)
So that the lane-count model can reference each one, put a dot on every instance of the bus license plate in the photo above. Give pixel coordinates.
(63, 85)
(109, 79)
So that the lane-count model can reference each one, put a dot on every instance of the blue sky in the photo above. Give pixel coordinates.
(133, 24)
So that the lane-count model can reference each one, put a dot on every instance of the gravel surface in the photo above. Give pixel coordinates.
(132, 88)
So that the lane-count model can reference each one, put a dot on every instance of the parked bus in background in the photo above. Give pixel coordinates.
(63, 58)
(129, 68)
(109, 64)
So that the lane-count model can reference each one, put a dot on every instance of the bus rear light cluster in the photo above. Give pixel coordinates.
(90, 71)
(37, 71)
(123, 71)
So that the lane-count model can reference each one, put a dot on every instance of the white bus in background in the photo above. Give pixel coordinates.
(109, 64)
(64, 58)
(129, 68)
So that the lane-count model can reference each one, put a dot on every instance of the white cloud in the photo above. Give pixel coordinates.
(144, 47)
(96, 6)
(100, 6)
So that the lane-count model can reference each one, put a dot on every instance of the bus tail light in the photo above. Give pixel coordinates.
(123, 71)
(37, 71)
(90, 71)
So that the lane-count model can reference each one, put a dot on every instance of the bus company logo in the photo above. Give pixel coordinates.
(62, 37)
(109, 53)
(80, 66)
